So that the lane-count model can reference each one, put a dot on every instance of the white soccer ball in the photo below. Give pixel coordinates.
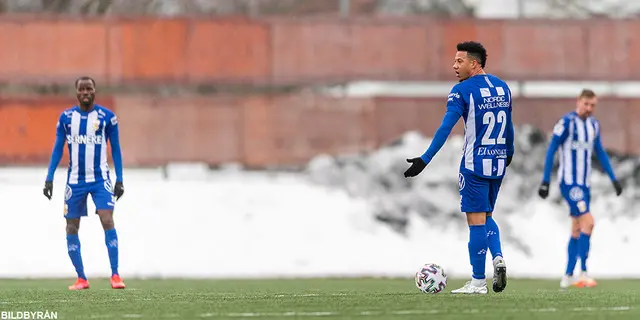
(431, 278)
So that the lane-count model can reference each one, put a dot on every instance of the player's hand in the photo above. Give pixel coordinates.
(618, 186)
(48, 189)
(118, 190)
(543, 192)
(509, 158)
(417, 165)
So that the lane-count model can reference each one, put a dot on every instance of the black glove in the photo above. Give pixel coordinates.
(544, 190)
(618, 187)
(48, 189)
(509, 158)
(417, 165)
(118, 190)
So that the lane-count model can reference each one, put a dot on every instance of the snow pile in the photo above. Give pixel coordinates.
(434, 197)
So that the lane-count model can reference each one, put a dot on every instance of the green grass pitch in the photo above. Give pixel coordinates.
(318, 299)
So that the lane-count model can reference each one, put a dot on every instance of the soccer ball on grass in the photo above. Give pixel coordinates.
(431, 278)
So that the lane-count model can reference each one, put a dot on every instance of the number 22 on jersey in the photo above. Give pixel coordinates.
(489, 119)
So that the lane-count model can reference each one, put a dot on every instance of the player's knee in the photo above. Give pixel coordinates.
(72, 228)
(476, 218)
(575, 233)
(575, 228)
(106, 219)
(586, 223)
(107, 223)
(587, 227)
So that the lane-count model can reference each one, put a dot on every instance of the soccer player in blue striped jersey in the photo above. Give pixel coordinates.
(86, 128)
(484, 102)
(577, 135)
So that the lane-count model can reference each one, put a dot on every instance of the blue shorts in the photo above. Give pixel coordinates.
(477, 194)
(578, 198)
(75, 198)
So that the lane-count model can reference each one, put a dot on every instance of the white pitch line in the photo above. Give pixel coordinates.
(584, 309)
(71, 301)
(68, 301)
(543, 310)
(623, 308)
(472, 311)
(401, 312)
(364, 313)
(295, 295)
(271, 314)
(128, 289)
(394, 312)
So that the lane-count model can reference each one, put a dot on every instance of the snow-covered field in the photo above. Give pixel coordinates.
(341, 216)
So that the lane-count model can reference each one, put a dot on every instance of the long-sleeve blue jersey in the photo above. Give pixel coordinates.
(576, 138)
(86, 135)
(484, 102)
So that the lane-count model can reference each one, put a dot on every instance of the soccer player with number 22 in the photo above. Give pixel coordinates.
(484, 102)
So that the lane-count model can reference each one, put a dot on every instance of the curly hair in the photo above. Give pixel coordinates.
(475, 50)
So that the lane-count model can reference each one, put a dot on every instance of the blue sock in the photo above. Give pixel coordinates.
(73, 247)
(478, 250)
(493, 237)
(111, 240)
(584, 242)
(572, 254)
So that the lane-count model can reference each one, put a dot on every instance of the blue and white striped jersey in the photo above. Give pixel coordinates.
(576, 139)
(86, 135)
(484, 101)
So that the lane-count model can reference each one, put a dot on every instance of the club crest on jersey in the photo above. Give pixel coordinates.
(96, 125)
(576, 194)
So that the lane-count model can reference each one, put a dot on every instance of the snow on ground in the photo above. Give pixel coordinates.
(341, 216)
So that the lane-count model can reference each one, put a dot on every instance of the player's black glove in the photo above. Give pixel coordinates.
(48, 189)
(543, 192)
(618, 187)
(118, 190)
(509, 158)
(417, 165)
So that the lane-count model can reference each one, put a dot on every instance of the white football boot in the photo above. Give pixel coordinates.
(475, 286)
(567, 281)
(499, 274)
